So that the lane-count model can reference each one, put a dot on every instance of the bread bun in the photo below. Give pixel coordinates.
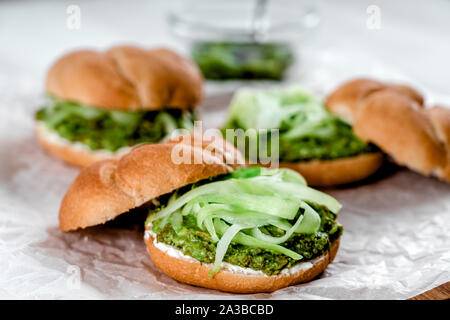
(394, 118)
(106, 189)
(409, 92)
(440, 119)
(401, 128)
(326, 173)
(126, 78)
(75, 154)
(196, 273)
(345, 100)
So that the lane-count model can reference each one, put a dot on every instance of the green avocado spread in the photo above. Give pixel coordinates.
(306, 130)
(185, 233)
(111, 129)
(247, 60)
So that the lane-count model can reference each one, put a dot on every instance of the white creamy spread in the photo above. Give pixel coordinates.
(176, 253)
(54, 138)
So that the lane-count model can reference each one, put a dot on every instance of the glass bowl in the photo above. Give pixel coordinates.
(242, 39)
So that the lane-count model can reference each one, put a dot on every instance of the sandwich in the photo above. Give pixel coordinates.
(103, 103)
(312, 141)
(394, 118)
(212, 224)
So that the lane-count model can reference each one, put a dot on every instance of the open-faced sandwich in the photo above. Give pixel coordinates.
(312, 141)
(103, 103)
(246, 230)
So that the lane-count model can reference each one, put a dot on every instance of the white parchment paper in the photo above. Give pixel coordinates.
(396, 242)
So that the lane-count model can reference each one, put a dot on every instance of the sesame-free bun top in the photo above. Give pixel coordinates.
(126, 78)
(106, 189)
(401, 128)
(440, 119)
(394, 117)
(344, 101)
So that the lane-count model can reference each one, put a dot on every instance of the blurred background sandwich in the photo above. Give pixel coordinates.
(103, 103)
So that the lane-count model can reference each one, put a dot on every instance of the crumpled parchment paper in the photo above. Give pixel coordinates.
(396, 242)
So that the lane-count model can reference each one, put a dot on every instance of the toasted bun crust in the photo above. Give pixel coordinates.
(409, 92)
(440, 118)
(401, 128)
(345, 100)
(394, 117)
(196, 273)
(336, 172)
(68, 153)
(126, 78)
(109, 188)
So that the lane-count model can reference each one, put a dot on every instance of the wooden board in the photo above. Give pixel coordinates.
(439, 293)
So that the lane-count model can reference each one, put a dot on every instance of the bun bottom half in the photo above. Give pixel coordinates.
(69, 152)
(327, 173)
(196, 273)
